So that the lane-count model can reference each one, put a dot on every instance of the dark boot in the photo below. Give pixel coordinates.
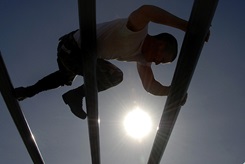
(74, 99)
(22, 93)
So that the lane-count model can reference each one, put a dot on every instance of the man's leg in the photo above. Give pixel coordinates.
(108, 75)
(51, 81)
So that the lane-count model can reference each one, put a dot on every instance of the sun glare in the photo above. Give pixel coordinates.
(137, 123)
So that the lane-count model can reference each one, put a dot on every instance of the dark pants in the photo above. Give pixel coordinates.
(107, 74)
(70, 65)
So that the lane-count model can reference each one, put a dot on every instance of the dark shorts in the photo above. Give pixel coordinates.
(70, 62)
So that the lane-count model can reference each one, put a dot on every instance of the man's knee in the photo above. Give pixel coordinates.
(65, 78)
(108, 75)
(110, 72)
(117, 77)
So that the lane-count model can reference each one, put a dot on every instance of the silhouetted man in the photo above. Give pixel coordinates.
(125, 39)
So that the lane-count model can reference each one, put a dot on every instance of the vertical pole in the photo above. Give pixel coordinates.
(198, 28)
(87, 22)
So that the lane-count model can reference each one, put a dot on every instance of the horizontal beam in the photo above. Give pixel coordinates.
(18, 117)
(87, 23)
(198, 28)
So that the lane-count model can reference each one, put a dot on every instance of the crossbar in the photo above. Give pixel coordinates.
(198, 28)
(87, 23)
(18, 117)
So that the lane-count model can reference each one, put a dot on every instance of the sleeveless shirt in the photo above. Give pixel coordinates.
(116, 41)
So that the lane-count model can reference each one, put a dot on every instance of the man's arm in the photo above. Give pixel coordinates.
(149, 82)
(146, 13)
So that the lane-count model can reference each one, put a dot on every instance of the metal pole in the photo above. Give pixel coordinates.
(198, 28)
(87, 22)
(6, 88)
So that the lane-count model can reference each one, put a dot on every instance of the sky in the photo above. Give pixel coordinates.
(209, 128)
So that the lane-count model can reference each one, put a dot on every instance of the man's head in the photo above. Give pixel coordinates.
(170, 49)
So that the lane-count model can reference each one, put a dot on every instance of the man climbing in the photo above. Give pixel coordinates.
(121, 39)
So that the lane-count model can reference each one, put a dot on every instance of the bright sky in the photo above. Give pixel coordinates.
(209, 129)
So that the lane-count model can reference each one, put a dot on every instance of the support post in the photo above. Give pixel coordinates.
(87, 23)
(198, 28)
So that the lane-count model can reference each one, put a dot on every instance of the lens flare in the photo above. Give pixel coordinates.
(137, 123)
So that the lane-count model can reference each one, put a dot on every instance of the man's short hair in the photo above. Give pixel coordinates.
(171, 43)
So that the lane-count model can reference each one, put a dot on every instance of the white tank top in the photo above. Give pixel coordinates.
(116, 41)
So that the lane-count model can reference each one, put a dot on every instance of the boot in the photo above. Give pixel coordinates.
(74, 99)
(22, 93)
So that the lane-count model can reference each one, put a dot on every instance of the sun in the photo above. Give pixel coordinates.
(137, 123)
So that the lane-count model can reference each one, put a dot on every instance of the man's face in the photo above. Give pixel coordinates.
(160, 55)
(157, 53)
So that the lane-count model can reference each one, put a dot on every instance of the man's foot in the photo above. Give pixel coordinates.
(20, 93)
(75, 103)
